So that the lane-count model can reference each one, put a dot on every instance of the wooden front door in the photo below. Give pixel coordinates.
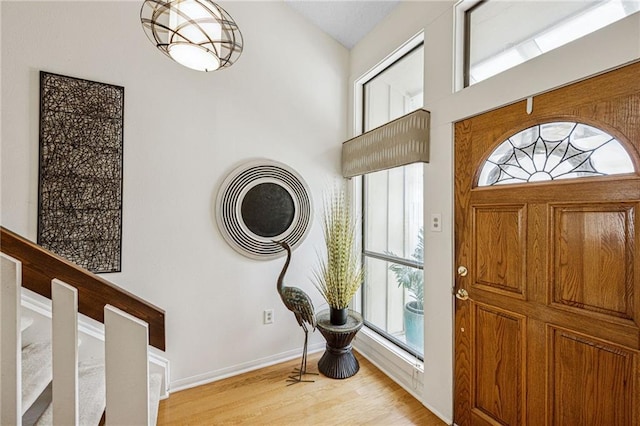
(547, 251)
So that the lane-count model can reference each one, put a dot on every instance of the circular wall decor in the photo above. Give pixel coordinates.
(260, 202)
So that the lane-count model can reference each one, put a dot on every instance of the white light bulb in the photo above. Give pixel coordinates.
(194, 56)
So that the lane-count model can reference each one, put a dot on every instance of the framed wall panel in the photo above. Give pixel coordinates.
(80, 171)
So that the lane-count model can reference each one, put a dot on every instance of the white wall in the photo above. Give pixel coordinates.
(608, 48)
(285, 99)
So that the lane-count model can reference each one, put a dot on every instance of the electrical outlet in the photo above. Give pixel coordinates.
(267, 316)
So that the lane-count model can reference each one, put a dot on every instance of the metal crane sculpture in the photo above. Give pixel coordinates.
(298, 302)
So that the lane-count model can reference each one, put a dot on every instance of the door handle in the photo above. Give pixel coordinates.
(462, 294)
(462, 271)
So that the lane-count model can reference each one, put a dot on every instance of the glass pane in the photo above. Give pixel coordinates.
(558, 150)
(396, 91)
(503, 34)
(393, 219)
(393, 302)
(393, 209)
(612, 159)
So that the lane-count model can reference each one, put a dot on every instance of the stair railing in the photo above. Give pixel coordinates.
(40, 266)
(64, 351)
(127, 371)
(10, 342)
(127, 335)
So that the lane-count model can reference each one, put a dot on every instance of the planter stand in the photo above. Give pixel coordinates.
(338, 361)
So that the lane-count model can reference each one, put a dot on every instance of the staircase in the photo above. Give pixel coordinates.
(58, 367)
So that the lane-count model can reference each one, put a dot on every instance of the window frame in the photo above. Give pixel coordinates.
(466, 41)
(363, 95)
(386, 258)
(358, 84)
(416, 42)
(461, 74)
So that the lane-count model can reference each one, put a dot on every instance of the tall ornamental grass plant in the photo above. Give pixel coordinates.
(339, 276)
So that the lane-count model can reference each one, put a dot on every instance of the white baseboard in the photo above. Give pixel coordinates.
(223, 373)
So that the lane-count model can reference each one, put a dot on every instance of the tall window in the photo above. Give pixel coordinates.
(500, 35)
(393, 215)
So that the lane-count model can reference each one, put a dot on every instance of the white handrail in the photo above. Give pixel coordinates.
(127, 368)
(10, 341)
(64, 335)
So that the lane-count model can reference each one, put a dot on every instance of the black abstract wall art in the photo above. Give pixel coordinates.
(80, 171)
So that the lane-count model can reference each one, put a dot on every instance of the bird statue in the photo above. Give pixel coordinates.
(298, 302)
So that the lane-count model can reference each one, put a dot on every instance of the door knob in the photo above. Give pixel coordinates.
(462, 271)
(462, 294)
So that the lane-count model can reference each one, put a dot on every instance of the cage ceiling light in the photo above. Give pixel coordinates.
(198, 34)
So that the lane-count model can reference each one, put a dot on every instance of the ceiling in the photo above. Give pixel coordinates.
(347, 21)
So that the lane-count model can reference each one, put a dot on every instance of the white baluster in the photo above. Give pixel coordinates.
(64, 333)
(10, 342)
(127, 368)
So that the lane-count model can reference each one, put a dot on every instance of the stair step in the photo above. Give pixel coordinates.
(91, 395)
(155, 381)
(25, 322)
(36, 372)
(92, 386)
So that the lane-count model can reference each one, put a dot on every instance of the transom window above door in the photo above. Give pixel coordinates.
(556, 150)
(499, 35)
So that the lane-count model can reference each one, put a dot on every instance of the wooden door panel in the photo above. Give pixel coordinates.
(500, 248)
(498, 386)
(583, 374)
(592, 250)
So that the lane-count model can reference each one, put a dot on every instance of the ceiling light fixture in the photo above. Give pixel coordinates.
(198, 34)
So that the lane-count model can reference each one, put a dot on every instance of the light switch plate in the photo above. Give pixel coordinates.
(436, 222)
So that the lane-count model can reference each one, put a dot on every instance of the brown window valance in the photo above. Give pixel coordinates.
(402, 141)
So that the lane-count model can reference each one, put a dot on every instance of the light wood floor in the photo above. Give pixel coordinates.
(262, 398)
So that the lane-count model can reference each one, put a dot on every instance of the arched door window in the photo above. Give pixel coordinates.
(556, 150)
